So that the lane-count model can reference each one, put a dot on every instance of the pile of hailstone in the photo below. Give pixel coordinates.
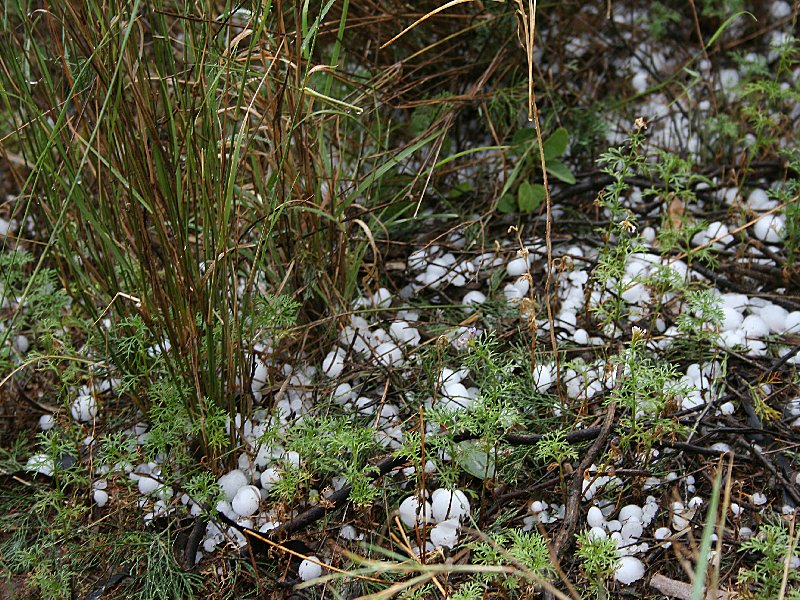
(444, 513)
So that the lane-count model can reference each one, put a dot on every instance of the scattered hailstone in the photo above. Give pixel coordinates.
(388, 354)
(769, 228)
(100, 498)
(309, 569)
(84, 409)
(231, 482)
(246, 501)
(147, 485)
(543, 377)
(404, 333)
(662, 533)
(630, 569)
(446, 504)
(472, 298)
(413, 513)
(21, 344)
(759, 499)
(333, 365)
(595, 517)
(517, 267)
(631, 512)
(381, 299)
(46, 422)
(40, 463)
(445, 533)
(348, 532)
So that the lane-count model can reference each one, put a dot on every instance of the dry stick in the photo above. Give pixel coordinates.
(576, 491)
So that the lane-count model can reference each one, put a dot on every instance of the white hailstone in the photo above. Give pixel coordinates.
(309, 569)
(231, 482)
(445, 533)
(260, 376)
(754, 326)
(447, 504)
(100, 498)
(21, 344)
(388, 354)
(245, 503)
(46, 422)
(471, 299)
(631, 512)
(595, 517)
(597, 533)
(721, 447)
(412, 512)
(780, 10)
(147, 485)
(512, 293)
(649, 511)
(84, 408)
(455, 396)
(333, 364)
(632, 530)
(630, 569)
(517, 267)
(418, 259)
(731, 318)
(381, 299)
(537, 506)
(695, 502)
(745, 533)
(543, 377)
(343, 393)
(639, 82)
(793, 322)
(291, 458)
(348, 532)
(40, 463)
(758, 200)
(769, 228)
(614, 525)
(775, 317)
(728, 408)
(268, 526)
(523, 285)
(581, 337)
(662, 533)
(720, 232)
(403, 332)
(736, 510)
(759, 499)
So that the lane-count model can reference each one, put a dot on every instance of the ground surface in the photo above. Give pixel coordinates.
(590, 395)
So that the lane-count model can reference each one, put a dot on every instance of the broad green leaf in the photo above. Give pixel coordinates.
(556, 144)
(506, 204)
(530, 196)
(475, 460)
(560, 171)
(523, 135)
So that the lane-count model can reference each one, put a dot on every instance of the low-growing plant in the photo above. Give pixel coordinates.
(599, 561)
(771, 575)
(525, 150)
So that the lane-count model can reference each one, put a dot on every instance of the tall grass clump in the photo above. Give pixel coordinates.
(187, 164)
